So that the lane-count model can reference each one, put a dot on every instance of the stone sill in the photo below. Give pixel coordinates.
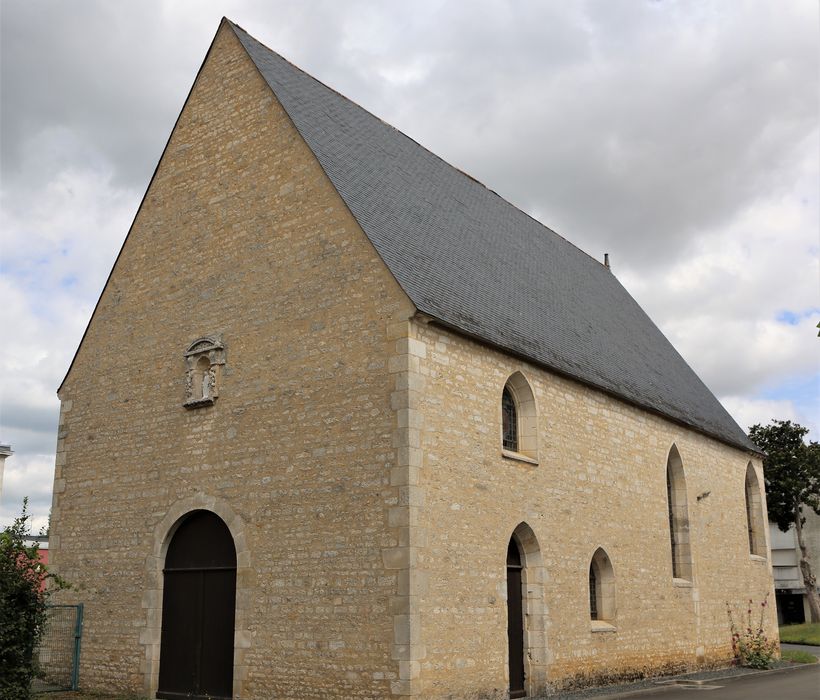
(601, 626)
(681, 583)
(199, 403)
(518, 457)
(758, 558)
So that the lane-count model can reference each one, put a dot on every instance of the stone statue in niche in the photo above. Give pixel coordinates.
(204, 359)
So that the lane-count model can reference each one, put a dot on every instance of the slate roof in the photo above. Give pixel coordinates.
(480, 266)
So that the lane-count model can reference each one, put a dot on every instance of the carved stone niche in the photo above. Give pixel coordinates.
(203, 364)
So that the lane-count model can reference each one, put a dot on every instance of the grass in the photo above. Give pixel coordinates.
(799, 657)
(808, 633)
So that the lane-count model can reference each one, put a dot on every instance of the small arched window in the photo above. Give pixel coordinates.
(601, 588)
(754, 513)
(678, 510)
(518, 419)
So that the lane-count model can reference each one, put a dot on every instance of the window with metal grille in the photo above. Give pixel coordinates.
(671, 507)
(593, 593)
(509, 419)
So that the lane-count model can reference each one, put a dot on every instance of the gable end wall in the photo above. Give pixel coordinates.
(241, 236)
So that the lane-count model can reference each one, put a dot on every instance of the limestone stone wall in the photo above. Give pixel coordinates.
(240, 235)
(599, 481)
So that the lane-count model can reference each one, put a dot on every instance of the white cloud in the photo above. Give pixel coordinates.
(59, 242)
(27, 476)
(748, 412)
(719, 304)
(681, 138)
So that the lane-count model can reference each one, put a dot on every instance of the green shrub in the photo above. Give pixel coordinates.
(22, 608)
(750, 645)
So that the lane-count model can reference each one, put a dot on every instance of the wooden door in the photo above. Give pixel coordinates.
(198, 606)
(515, 622)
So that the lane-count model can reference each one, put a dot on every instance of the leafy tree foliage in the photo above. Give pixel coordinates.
(791, 470)
(22, 609)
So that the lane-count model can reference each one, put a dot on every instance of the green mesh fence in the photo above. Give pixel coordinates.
(59, 652)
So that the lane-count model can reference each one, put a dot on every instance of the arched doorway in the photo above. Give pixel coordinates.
(526, 615)
(515, 621)
(198, 606)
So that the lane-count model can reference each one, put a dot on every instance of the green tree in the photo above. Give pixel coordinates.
(791, 470)
(22, 608)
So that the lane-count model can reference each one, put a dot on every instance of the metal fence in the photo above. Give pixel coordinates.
(59, 652)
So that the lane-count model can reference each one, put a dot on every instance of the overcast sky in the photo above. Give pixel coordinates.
(680, 137)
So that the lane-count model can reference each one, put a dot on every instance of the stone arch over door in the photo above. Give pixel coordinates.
(533, 609)
(198, 610)
(151, 636)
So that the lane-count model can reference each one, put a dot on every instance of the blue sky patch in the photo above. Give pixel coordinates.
(792, 318)
(804, 392)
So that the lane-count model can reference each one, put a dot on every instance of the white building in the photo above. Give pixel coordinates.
(5, 451)
(792, 606)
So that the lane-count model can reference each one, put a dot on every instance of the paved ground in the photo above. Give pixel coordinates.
(795, 684)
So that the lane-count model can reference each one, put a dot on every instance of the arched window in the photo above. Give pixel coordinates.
(518, 419)
(754, 513)
(601, 588)
(678, 516)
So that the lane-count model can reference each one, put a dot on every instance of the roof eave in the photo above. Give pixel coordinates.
(430, 319)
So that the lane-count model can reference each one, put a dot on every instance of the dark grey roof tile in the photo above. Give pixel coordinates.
(479, 265)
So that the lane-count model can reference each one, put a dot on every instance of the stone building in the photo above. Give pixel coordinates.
(367, 430)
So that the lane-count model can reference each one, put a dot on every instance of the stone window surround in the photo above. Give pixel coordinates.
(606, 601)
(521, 392)
(678, 511)
(151, 635)
(754, 515)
